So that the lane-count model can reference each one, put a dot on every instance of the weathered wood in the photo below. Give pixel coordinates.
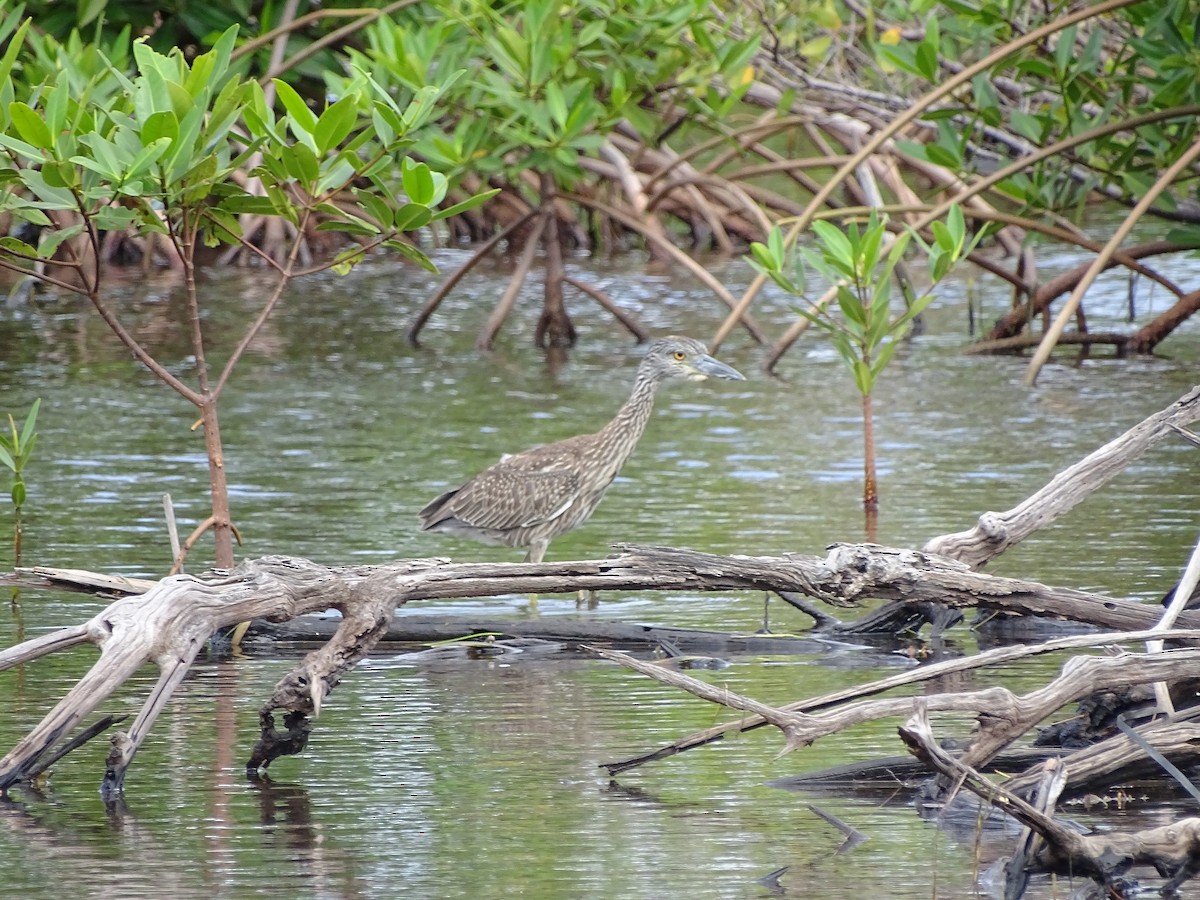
(999, 656)
(1045, 793)
(849, 574)
(1002, 715)
(1020, 342)
(996, 532)
(170, 623)
(569, 631)
(1092, 768)
(1105, 857)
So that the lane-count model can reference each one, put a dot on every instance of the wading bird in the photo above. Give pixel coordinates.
(530, 498)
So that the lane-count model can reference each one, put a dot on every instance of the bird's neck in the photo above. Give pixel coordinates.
(627, 425)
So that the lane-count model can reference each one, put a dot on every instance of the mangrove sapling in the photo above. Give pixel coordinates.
(861, 268)
(164, 152)
(15, 450)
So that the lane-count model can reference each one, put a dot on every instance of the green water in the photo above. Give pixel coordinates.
(479, 778)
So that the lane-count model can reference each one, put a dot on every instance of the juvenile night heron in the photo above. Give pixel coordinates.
(530, 498)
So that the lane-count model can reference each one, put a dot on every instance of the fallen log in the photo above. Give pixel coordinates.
(1002, 717)
(170, 623)
(569, 632)
(1105, 857)
(996, 532)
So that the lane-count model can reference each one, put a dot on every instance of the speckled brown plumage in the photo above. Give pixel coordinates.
(528, 499)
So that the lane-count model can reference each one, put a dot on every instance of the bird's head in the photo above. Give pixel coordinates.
(681, 357)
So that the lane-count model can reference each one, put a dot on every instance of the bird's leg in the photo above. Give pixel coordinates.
(537, 550)
(587, 598)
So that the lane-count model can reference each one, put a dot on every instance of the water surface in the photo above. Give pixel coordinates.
(480, 778)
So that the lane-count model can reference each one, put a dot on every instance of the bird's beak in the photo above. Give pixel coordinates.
(707, 367)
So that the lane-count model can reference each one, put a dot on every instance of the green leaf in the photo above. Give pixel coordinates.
(18, 247)
(871, 242)
(347, 260)
(6, 459)
(776, 245)
(819, 317)
(898, 248)
(348, 224)
(418, 181)
(556, 103)
(926, 60)
(764, 257)
(864, 378)
(412, 216)
(1064, 50)
(411, 252)
(851, 307)
(30, 125)
(51, 197)
(335, 124)
(915, 308)
(1184, 235)
(375, 207)
(223, 226)
(301, 163)
(52, 238)
(836, 245)
(883, 358)
(181, 101)
(27, 451)
(591, 32)
(248, 204)
(16, 43)
(901, 57)
(1027, 126)
(18, 493)
(465, 205)
(148, 157)
(336, 173)
(301, 119)
(160, 125)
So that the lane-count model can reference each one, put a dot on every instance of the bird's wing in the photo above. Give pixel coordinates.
(530, 488)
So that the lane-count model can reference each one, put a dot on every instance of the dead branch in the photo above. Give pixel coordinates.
(480, 252)
(1002, 716)
(1119, 757)
(996, 532)
(933, 671)
(524, 263)
(1105, 857)
(169, 624)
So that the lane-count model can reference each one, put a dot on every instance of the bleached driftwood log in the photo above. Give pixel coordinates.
(996, 532)
(1002, 716)
(1105, 857)
(169, 623)
(1174, 850)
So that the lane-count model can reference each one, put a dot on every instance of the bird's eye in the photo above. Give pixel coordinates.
(679, 355)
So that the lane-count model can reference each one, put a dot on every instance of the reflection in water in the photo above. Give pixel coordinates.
(286, 805)
(460, 774)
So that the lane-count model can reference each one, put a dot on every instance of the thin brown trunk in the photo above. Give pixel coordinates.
(492, 327)
(207, 401)
(222, 525)
(870, 489)
(431, 305)
(554, 327)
